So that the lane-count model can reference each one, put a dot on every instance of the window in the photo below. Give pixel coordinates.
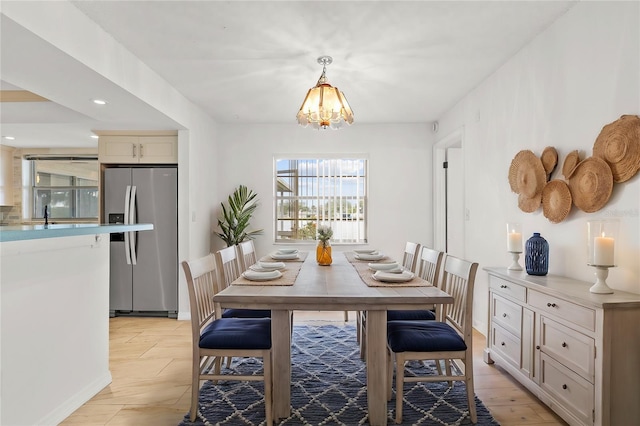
(67, 186)
(312, 192)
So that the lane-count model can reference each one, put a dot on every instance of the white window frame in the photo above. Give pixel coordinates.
(326, 182)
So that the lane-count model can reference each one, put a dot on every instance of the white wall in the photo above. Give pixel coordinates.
(400, 178)
(560, 90)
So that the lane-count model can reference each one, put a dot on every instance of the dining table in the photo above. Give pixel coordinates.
(345, 285)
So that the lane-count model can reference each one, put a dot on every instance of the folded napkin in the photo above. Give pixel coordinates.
(280, 256)
(390, 277)
(287, 251)
(261, 276)
(272, 265)
(365, 251)
(370, 256)
(388, 267)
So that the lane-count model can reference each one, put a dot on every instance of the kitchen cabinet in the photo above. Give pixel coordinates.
(6, 175)
(576, 351)
(138, 149)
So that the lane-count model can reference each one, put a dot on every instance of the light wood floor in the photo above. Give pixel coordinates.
(150, 363)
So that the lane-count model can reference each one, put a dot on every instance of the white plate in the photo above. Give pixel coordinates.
(377, 256)
(261, 276)
(365, 251)
(258, 268)
(287, 251)
(393, 278)
(270, 266)
(279, 256)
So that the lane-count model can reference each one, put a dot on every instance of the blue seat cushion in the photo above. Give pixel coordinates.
(423, 336)
(415, 315)
(246, 313)
(237, 333)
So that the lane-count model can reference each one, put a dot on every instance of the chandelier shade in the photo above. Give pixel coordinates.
(324, 106)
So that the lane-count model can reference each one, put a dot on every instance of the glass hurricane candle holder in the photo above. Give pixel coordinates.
(601, 239)
(514, 245)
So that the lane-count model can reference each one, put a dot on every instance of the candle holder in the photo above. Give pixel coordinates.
(601, 236)
(515, 261)
(514, 245)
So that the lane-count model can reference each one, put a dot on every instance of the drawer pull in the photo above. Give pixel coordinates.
(504, 315)
(503, 344)
(551, 305)
(503, 286)
(564, 386)
(564, 344)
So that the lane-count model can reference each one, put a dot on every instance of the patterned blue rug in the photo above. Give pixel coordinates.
(328, 387)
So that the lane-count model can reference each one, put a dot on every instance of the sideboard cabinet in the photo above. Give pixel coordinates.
(578, 352)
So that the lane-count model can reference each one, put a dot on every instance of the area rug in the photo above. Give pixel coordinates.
(328, 387)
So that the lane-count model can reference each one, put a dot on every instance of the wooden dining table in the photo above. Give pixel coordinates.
(338, 287)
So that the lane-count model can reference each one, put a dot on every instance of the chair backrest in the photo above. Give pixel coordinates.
(202, 286)
(458, 280)
(429, 264)
(246, 254)
(228, 266)
(410, 256)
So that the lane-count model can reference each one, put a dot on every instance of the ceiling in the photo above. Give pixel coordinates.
(252, 62)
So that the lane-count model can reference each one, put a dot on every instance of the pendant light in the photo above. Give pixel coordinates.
(324, 106)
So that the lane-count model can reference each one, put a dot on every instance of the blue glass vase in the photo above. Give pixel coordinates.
(536, 257)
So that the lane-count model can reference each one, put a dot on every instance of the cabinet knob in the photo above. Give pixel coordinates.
(564, 344)
(538, 347)
(564, 386)
(504, 315)
(551, 305)
(503, 344)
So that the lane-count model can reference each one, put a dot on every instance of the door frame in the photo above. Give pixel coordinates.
(454, 139)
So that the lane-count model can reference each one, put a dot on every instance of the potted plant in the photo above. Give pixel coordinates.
(323, 250)
(234, 220)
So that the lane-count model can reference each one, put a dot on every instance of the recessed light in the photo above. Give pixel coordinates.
(9, 138)
(99, 102)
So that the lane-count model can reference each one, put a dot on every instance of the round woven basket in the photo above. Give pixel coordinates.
(619, 145)
(549, 160)
(526, 174)
(570, 162)
(529, 204)
(556, 200)
(591, 184)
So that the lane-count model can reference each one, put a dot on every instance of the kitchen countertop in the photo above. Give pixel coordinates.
(34, 232)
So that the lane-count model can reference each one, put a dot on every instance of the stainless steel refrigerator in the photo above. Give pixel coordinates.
(144, 264)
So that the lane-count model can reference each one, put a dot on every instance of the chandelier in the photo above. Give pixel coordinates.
(324, 106)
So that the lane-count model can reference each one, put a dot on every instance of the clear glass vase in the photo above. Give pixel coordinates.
(323, 253)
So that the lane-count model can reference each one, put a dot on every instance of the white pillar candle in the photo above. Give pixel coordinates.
(603, 250)
(514, 242)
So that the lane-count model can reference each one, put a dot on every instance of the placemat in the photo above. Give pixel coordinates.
(366, 274)
(302, 255)
(288, 277)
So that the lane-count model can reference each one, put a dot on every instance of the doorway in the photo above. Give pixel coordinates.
(449, 208)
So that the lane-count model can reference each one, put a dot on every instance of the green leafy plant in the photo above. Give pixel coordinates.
(234, 220)
(324, 234)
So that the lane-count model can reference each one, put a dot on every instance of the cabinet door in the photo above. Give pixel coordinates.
(118, 149)
(6, 176)
(158, 150)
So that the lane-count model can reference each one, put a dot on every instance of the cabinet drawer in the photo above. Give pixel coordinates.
(571, 390)
(507, 288)
(576, 314)
(507, 313)
(505, 344)
(571, 348)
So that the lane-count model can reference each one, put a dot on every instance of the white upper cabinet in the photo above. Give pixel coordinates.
(6, 175)
(138, 149)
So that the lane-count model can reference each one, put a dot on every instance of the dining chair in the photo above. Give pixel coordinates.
(214, 338)
(428, 266)
(409, 261)
(448, 339)
(246, 254)
(228, 266)
(410, 256)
